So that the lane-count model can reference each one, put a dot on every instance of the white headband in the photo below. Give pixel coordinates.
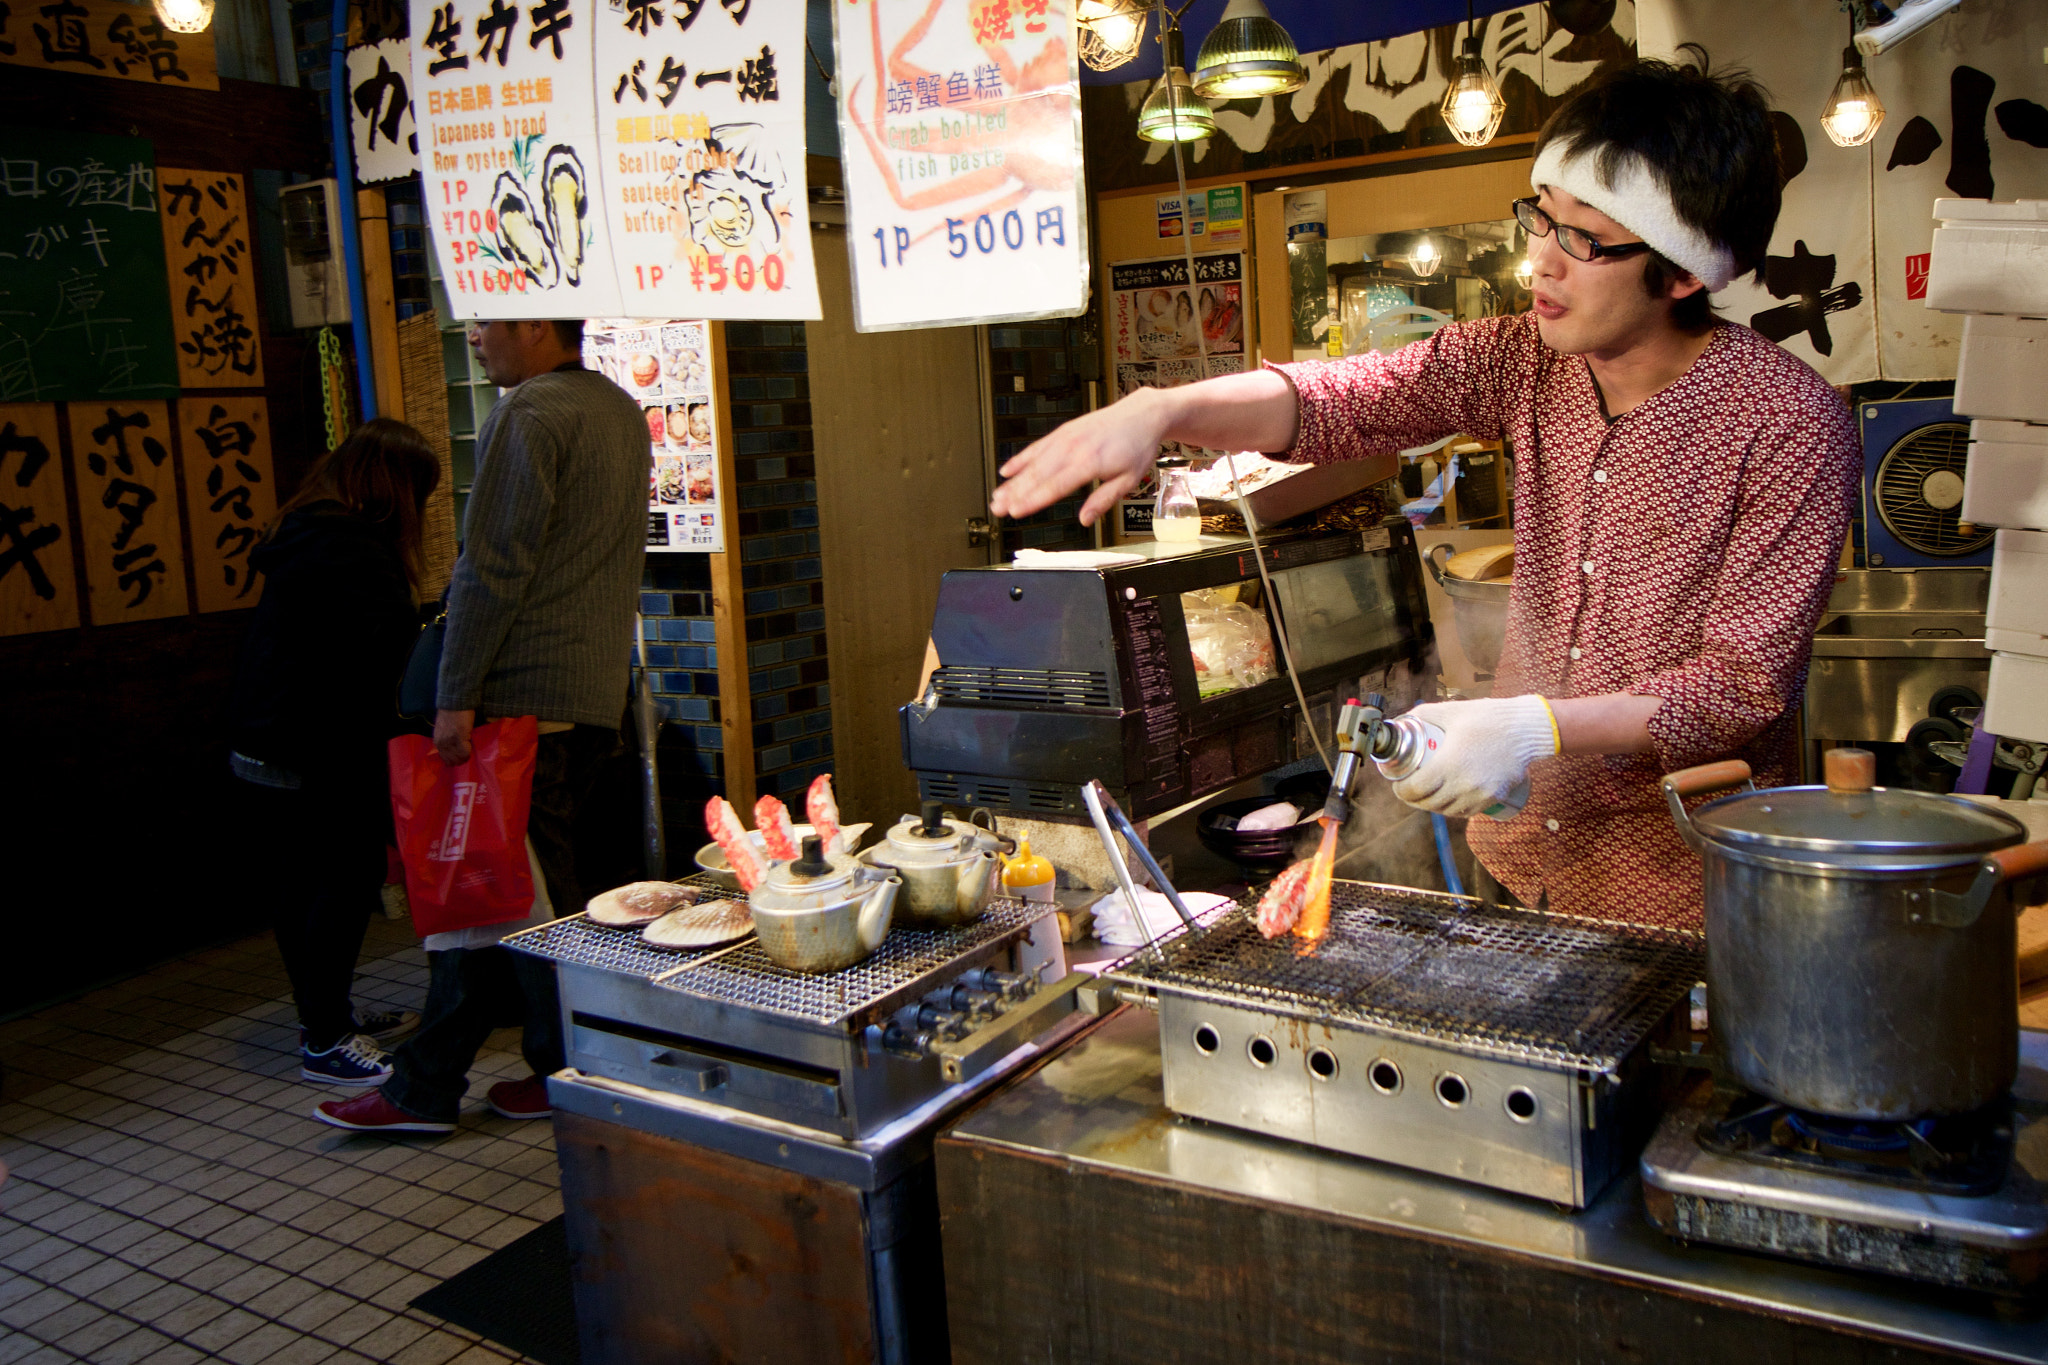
(1639, 201)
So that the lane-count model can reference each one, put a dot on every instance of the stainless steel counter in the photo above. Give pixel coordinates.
(1098, 1108)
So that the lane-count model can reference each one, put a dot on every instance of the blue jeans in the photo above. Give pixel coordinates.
(471, 991)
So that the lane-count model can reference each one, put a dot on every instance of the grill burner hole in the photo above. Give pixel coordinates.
(1450, 1088)
(1521, 1105)
(1385, 1077)
(1322, 1064)
(1261, 1051)
(1206, 1040)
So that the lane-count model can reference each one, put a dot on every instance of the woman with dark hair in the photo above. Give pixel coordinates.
(313, 704)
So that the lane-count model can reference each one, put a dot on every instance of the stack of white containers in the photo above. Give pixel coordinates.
(1991, 264)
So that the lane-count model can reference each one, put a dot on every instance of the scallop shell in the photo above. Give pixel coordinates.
(639, 903)
(703, 925)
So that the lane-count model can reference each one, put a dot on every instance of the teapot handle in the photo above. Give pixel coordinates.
(1707, 777)
(1003, 841)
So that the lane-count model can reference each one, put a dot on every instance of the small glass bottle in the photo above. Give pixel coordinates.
(1175, 516)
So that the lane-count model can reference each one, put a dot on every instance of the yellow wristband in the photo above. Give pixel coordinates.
(1556, 740)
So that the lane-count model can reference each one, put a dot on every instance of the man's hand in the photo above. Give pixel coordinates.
(451, 735)
(1484, 755)
(1115, 444)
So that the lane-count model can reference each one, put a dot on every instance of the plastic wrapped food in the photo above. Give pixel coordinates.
(1231, 642)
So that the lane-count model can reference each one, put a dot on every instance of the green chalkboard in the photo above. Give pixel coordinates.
(85, 311)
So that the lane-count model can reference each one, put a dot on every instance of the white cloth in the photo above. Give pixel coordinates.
(1115, 925)
(490, 935)
(1640, 200)
(1484, 756)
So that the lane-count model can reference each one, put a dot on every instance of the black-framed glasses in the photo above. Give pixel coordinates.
(1577, 244)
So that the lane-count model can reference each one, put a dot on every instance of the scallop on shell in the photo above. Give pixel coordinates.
(522, 237)
(704, 925)
(568, 202)
(638, 903)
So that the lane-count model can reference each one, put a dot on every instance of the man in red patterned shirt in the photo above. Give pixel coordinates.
(1682, 490)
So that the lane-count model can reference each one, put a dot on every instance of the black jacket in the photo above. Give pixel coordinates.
(316, 682)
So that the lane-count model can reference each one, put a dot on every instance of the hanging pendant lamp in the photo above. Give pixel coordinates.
(1247, 55)
(1112, 31)
(1472, 107)
(1173, 112)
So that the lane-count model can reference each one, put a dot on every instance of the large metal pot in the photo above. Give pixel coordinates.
(1860, 941)
(1480, 611)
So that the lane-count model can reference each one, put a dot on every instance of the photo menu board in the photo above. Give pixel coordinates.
(665, 364)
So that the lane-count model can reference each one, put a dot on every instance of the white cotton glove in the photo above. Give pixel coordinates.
(1481, 765)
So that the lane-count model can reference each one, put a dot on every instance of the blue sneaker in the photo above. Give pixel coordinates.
(386, 1026)
(354, 1061)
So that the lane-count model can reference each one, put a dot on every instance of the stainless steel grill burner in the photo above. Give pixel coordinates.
(1500, 1046)
(1494, 981)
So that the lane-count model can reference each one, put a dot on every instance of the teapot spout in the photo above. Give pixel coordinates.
(979, 876)
(876, 912)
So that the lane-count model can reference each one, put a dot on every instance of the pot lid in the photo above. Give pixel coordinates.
(812, 878)
(1843, 826)
(929, 838)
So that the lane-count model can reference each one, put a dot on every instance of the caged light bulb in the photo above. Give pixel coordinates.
(1854, 113)
(1525, 272)
(185, 16)
(1425, 258)
(1472, 108)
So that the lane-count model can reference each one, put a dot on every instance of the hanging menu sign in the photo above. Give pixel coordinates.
(960, 124)
(701, 117)
(213, 292)
(508, 156)
(37, 588)
(106, 38)
(128, 511)
(666, 366)
(387, 144)
(229, 494)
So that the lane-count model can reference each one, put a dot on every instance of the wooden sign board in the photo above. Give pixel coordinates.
(38, 590)
(212, 274)
(107, 38)
(230, 494)
(128, 511)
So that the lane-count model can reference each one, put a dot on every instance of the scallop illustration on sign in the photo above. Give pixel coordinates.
(522, 237)
(562, 185)
(740, 197)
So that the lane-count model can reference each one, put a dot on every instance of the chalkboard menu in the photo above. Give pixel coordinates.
(85, 309)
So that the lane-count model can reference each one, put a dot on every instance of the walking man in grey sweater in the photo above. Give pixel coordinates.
(540, 616)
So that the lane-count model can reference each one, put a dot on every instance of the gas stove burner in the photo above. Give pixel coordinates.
(1964, 1154)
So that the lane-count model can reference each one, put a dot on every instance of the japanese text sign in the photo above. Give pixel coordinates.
(960, 122)
(701, 117)
(230, 494)
(105, 38)
(666, 365)
(37, 588)
(213, 289)
(128, 511)
(387, 145)
(84, 306)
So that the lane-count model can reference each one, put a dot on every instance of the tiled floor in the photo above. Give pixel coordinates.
(171, 1200)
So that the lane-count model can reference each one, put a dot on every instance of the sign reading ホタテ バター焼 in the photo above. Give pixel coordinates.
(960, 133)
(585, 158)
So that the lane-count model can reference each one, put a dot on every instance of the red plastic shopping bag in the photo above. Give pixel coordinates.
(462, 829)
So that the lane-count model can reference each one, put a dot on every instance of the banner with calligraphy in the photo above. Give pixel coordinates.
(960, 129)
(128, 511)
(106, 38)
(87, 311)
(230, 494)
(213, 285)
(380, 120)
(38, 590)
(701, 121)
(509, 158)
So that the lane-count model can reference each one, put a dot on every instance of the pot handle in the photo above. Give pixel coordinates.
(1959, 910)
(1436, 565)
(1707, 777)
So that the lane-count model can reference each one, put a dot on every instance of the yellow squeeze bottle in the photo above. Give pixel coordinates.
(1029, 877)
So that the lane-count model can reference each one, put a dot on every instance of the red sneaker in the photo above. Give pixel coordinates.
(527, 1099)
(372, 1113)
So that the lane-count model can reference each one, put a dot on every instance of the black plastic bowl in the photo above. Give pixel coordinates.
(1262, 851)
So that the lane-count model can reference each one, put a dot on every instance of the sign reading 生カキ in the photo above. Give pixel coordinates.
(128, 511)
(960, 129)
(509, 157)
(84, 308)
(229, 493)
(387, 145)
(106, 38)
(213, 287)
(37, 588)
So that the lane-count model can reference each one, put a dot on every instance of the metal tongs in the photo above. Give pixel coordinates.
(1104, 811)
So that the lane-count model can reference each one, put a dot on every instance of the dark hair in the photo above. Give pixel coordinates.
(1707, 134)
(570, 334)
(382, 473)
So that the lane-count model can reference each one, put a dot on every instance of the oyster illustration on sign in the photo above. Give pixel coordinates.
(522, 238)
(568, 203)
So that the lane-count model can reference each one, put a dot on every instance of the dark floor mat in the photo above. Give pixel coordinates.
(517, 1297)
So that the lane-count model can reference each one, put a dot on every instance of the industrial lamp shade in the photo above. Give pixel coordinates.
(1853, 113)
(185, 16)
(1173, 112)
(1112, 31)
(1247, 55)
(1472, 107)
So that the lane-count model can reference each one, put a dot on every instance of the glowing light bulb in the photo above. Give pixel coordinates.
(1525, 272)
(1111, 31)
(1472, 108)
(1854, 113)
(185, 16)
(1425, 258)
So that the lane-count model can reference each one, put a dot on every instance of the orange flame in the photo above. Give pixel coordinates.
(1315, 910)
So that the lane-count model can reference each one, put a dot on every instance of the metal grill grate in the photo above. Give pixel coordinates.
(900, 969)
(1443, 969)
(576, 942)
(991, 686)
